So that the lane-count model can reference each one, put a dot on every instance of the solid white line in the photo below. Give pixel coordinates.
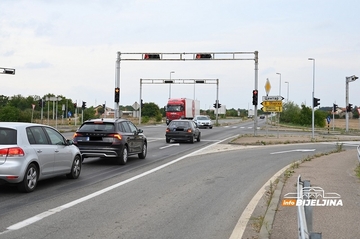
(294, 150)
(50, 212)
(246, 215)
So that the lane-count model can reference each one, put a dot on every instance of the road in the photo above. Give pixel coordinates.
(178, 191)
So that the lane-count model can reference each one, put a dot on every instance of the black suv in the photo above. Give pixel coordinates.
(110, 138)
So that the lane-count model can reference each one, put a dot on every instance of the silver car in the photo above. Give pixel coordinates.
(203, 121)
(32, 152)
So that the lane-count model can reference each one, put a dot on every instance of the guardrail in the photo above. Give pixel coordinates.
(304, 213)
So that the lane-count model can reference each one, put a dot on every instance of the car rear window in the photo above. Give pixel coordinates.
(179, 124)
(91, 126)
(8, 136)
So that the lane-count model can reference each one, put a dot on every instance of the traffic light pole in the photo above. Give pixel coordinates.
(348, 79)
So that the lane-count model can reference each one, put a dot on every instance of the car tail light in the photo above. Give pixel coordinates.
(167, 130)
(117, 136)
(77, 135)
(12, 152)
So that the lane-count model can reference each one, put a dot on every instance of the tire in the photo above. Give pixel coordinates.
(30, 179)
(75, 168)
(192, 139)
(167, 140)
(122, 159)
(210, 127)
(198, 138)
(142, 155)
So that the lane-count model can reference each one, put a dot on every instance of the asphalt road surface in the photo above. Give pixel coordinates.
(180, 190)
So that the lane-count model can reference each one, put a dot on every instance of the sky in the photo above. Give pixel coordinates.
(69, 48)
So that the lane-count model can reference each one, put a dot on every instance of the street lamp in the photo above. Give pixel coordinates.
(287, 95)
(313, 95)
(279, 84)
(170, 84)
(348, 79)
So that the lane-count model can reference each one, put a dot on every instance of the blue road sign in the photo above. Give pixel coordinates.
(328, 119)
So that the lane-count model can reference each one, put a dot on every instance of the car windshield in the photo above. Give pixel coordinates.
(202, 118)
(174, 108)
(97, 127)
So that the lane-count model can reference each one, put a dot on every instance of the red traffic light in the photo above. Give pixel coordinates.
(152, 57)
(255, 92)
(203, 56)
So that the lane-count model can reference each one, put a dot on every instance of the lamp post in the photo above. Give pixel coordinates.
(170, 84)
(279, 84)
(287, 95)
(348, 79)
(312, 100)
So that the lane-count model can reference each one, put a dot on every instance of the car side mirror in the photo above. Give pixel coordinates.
(140, 131)
(69, 142)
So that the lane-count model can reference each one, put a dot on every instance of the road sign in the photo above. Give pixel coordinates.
(267, 86)
(272, 103)
(272, 109)
(276, 98)
(136, 105)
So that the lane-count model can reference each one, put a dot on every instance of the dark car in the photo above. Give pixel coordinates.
(33, 152)
(110, 138)
(182, 130)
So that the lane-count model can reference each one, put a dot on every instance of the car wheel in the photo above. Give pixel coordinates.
(75, 168)
(30, 179)
(122, 159)
(192, 139)
(142, 155)
(198, 138)
(167, 140)
(210, 127)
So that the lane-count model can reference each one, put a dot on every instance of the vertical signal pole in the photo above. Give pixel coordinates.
(117, 82)
(256, 87)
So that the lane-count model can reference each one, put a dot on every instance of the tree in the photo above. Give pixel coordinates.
(150, 110)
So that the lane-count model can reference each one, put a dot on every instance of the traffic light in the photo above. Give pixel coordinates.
(255, 97)
(83, 105)
(75, 105)
(43, 103)
(117, 94)
(152, 57)
(349, 108)
(316, 102)
(103, 106)
(141, 104)
(334, 108)
(8, 71)
(203, 56)
(40, 103)
(216, 106)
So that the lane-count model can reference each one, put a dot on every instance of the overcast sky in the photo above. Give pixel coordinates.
(69, 48)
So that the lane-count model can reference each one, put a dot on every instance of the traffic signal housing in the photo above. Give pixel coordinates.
(117, 94)
(83, 105)
(151, 57)
(75, 105)
(203, 56)
(141, 104)
(40, 103)
(349, 108)
(334, 108)
(255, 97)
(217, 105)
(316, 102)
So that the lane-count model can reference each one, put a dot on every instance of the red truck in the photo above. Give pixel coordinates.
(181, 108)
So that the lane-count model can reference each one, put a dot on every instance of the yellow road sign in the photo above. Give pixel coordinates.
(272, 103)
(272, 109)
(267, 86)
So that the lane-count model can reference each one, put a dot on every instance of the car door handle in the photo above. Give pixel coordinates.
(56, 151)
(39, 151)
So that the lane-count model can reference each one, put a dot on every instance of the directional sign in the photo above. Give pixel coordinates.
(272, 103)
(276, 98)
(272, 109)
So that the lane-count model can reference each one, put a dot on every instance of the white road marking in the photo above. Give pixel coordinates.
(52, 211)
(170, 145)
(294, 150)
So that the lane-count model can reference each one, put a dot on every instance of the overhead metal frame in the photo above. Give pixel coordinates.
(190, 56)
(181, 81)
